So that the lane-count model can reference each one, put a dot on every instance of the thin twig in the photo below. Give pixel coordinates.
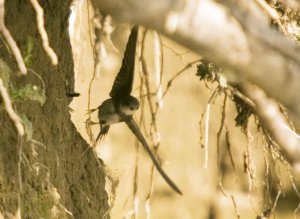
(286, 116)
(229, 149)
(221, 126)
(206, 126)
(137, 149)
(267, 173)
(248, 165)
(114, 182)
(39, 77)
(43, 33)
(9, 39)
(177, 53)
(189, 65)
(88, 128)
(207, 112)
(296, 191)
(153, 116)
(232, 199)
(7, 104)
(146, 74)
(275, 156)
(276, 200)
(158, 62)
(161, 59)
(136, 174)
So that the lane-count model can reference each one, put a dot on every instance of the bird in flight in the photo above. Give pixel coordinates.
(121, 106)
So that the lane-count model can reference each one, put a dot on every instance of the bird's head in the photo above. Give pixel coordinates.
(130, 105)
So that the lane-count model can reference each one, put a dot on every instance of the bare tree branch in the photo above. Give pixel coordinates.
(235, 35)
(275, 123)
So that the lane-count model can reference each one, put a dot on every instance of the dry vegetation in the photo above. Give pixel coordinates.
(207, 129)
(223, 142)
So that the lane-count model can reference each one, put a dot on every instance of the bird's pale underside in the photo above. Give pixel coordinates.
(121, 106)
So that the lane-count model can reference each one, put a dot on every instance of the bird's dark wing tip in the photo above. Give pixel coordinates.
(103, 132)
(178, 190)
(136, 131)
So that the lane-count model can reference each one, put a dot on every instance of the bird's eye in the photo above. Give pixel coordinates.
(131, 108)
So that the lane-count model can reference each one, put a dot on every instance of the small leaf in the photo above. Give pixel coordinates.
(29, 92)
(27, 57)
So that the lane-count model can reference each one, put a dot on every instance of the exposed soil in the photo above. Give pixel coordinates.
(56, 175)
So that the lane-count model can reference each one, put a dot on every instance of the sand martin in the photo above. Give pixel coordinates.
(121, 106)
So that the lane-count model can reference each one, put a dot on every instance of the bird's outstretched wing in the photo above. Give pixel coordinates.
(136, 131)
(122, 86)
